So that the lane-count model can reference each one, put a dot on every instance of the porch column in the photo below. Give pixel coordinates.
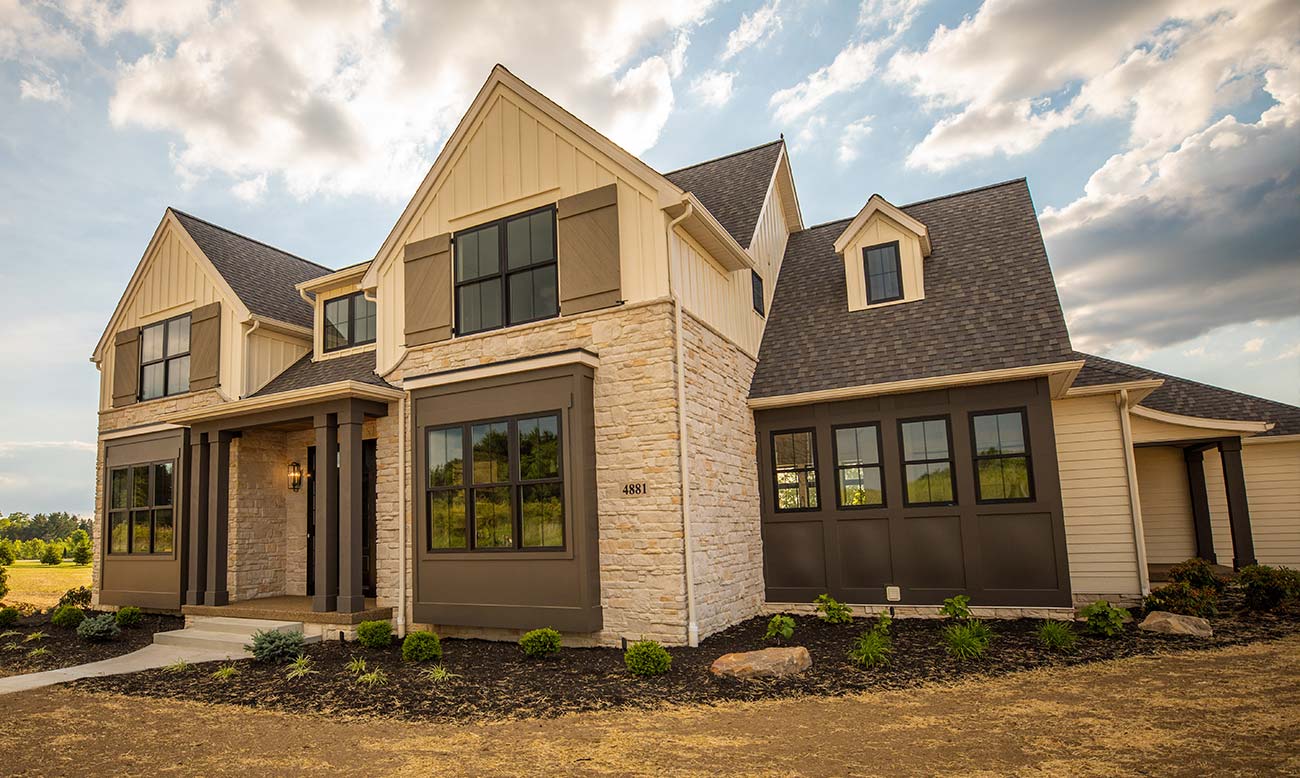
(1234, 483)
(218, 517)
(327, 513)
(197, 576)
(1195, 458)
(351, 599)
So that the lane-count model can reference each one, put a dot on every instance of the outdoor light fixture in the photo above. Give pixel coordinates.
(295, 476)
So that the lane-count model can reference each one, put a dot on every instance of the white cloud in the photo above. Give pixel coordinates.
(1253, 345)
(27, 35)
(250, 190)
(852, 137)
(41, 90)
(755, 29)
(9, 448)
(808, 132)
(713, 87)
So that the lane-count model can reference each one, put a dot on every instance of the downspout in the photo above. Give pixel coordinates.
(1135, 504)
(248, 336)
(692, 626)
(401, 516)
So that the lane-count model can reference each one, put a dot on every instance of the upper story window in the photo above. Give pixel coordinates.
(927, 462)
(140, 509)
(349, 321)
(506, 272)
(165, 358)
(883, 270)
(756, 281)
(1002, 469)
(794, 456)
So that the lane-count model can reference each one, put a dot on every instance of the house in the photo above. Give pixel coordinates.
(572, 391)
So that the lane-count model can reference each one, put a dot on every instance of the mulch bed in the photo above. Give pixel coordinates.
(64, 649)
(496, 681)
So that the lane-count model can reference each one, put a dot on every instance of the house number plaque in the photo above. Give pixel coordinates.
(633, 490)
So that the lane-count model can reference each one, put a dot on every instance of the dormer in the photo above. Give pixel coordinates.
(884, 253)
(346, 321)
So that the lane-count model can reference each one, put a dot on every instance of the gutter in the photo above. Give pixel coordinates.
(1134, 500)
(692, 626)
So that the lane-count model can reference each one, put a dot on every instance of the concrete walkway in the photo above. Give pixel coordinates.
(147, 658)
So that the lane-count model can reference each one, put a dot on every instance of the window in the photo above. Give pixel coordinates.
(510, 495)
(794, 456)
(757, 282)
(506, 273)
(858, 479)
(349, 321)
(884, 273)
(140, 509)
(1002, 469)
(165, 358)
(927, 462)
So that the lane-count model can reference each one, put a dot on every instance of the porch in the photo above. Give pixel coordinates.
(290, 608)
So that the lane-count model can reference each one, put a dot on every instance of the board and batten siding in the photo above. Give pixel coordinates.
(1166, 504)
(1095, 498)
(878, 230)
(269, 355)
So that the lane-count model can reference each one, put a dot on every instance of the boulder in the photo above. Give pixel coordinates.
(766, 663)
(1176, 624)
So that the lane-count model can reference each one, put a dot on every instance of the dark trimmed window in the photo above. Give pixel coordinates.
(927, 461)
(794, 462)
(859, 480)
(1002, 468)
(510, 492)
(165, 358)
(884, 273)
(506, 272)
(756, 281)
(349, 322)
(141, 516)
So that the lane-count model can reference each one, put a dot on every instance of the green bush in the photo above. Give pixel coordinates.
(1182, 597)
(375, 634)
(1198, 573)
(1266, 587)
(79, 597)
(67, 616)
(873, 647)
(81, 554)
(833, 611)
(4, 582)
(52, 555)
(781, 627)
(8, 553)
(646, 657)
(9, 616)
(966, 640)
(1056, 636)
(129, 616)
(276, 647)
(1103, 619)
(540, 643)
(421, 647)
(98, 629)
(956, 607)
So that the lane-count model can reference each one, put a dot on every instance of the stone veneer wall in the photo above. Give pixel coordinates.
(258, 486)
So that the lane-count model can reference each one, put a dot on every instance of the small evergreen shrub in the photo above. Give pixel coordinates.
(8, 616)
(421, 647)
(81, 554)
(375, 634)
(781, 627)
(1265, 587)
(1056, 636)
(833, 611)
(52, 555)
(276, 647)
(874, 647)
(99, 629)
(67, 616)
(646, 657)
(8, 554)
(1198, 573)
(4, 582)
(965, 641)
(1103, 619)
(79, 597)
(129, 616)
(540, 643)
(956, 607)
(1182, 597)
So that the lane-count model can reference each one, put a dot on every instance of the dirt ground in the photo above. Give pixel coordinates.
(1233, 711)
(42, 585)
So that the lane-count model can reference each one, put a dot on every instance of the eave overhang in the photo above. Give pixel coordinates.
(339, 390)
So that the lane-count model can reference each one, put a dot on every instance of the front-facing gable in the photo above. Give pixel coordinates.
(880, 224)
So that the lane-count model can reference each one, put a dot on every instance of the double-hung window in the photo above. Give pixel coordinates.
(927, 461)
(141, 516)
(1002, 467)
(794, 459)
(506, 272)
(165, 358)
(884, 273)
(349, 322)
(858, 478)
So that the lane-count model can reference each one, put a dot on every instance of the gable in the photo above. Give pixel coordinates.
(878, 230)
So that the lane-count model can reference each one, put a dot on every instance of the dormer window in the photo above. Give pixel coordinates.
(349, 322)
(884, 273)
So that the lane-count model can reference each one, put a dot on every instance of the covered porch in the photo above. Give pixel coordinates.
(291, 608)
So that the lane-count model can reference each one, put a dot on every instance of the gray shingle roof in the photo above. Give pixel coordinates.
(733, 187)
(304, 373)
(1192, 398)
(262, 276)
(990, 303)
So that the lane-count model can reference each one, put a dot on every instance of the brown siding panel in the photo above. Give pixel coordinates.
(126, 367)
(588, 250)
(205, 347)
(428, 290)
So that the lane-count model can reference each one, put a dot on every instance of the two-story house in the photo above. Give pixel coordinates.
(572, 391)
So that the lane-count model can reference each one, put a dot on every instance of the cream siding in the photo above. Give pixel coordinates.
(1273, 492)
(321, 296)
(882, 229)
(1166, 504)
(269, 354)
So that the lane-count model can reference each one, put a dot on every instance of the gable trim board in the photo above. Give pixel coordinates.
(1201, 423)
(877, 204)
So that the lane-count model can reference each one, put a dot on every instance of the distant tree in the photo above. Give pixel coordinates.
(53, 554)
(8, 553)
(33, 549)
(78, 547)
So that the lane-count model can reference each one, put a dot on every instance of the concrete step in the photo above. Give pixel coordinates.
(219, 633)
(243, 626)
(197, 638)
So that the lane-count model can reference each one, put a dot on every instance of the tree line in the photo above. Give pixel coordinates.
(48, 537)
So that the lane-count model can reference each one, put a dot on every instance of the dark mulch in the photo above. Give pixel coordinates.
(497, 681)
(64, 649)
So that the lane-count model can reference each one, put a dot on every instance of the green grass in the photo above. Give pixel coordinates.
(42, 585)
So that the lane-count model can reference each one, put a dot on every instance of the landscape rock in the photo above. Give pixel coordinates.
(766, 663)
(1176, 624)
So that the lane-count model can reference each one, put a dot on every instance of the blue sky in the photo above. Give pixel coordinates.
(1161, 141)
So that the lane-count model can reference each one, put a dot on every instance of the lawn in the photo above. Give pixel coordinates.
(43, 585)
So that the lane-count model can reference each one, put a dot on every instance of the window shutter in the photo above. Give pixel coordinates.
(126, 367)
(587, 231)
(428, 290)
(205, 347)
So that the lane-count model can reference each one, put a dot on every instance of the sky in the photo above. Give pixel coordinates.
(1160, 139)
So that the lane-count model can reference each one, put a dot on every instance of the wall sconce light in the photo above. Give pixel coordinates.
(295, 476)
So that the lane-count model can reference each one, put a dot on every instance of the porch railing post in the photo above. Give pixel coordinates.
(218, 517)
(198, 529)
(351, 597)
(327, 513)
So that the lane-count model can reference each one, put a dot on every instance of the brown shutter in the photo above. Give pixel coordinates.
(205, 347)
(588, 248)
(126, 367)
(428, 290)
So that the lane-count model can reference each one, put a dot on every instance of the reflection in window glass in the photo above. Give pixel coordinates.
(543, 515)
(539, 448)
(493, 518)
(164, 358)
(884, 273)
(794, 462)
(447, 519)
(857, 466)
(491, 453)
(140, 515)
(119, 537)
(927, 465)
(492, 293)
(162, 531)
(1001, 457)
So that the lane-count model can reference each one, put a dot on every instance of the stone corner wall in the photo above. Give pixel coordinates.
(258, 516)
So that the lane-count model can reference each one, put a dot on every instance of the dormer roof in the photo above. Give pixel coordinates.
(877, 204)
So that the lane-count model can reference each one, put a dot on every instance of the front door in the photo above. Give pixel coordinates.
(368, 500)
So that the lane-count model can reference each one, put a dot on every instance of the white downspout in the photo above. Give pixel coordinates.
(248, 337)
(692, 626)
(401, 514)
(1135, 503)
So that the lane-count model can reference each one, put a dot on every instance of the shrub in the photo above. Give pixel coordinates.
(81, 554)
(79, 597)
(276, 647)
(833, 611)
(1103, 619)
(1056, 636)
(873, 647)
(67, 616)
(8, 554)
(52, 555)
(4, 582)
(1266, 587)
(646, 657)
(421, 647)
(8, 616)
(129, 616)
(1182, 597)
(31, 549)
(99, 629)
(966, 640)
(1199, 573)
(300, 667)
(781, 627)
(540, 643)
(375, 634)
(956, 607)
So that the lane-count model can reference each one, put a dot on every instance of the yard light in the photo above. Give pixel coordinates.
(295, 476)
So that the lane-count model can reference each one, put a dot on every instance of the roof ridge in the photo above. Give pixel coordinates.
(725, 156)
(242, 236)
(1202, 384)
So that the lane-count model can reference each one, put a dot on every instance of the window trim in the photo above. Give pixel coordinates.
(758, 292)
(898, 269)
(352, 342)
(976, 457)
(951, 460)
(153, 507)
(164, 359)
(503, 272)
(816, 470)
(880, 450)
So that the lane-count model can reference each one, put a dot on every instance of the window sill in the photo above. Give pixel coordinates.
(343, 352)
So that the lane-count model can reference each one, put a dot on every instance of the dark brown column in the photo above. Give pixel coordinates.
(327, 513)
(1195, 459)
(198, 531)
(351, 599)
(1234, 483)
(218, 517)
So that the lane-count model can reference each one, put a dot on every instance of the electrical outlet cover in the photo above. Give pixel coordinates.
(893, 593)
